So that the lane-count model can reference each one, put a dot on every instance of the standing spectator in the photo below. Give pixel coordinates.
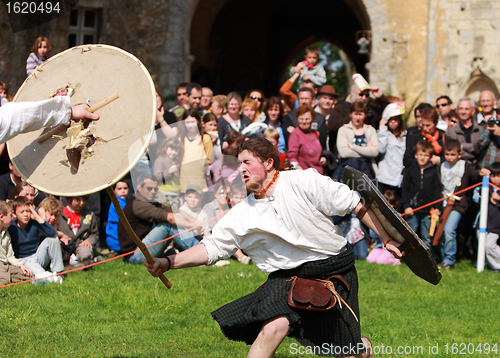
(444, 105)
(250, 109)
(357, 143)
(167, 170)
(310, 69)
(39, 52)
(304, 149)
(274, 119)
(487, 147)
(196, 151)
(467, 131)
(392, 144)
(326, 100)
(493, 224)
(454, 170)
(487, 103)
(421, 186)
(429, 132)
(232, 120)
(206, 99)
(306, 97)
(210, 128)
(258, 97)
(218, 104)
(182, 98)
(340, 115)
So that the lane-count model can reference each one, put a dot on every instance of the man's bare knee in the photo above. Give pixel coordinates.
(276, 328)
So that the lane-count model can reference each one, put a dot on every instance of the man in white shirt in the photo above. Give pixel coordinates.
(23, 117)
(285, 227)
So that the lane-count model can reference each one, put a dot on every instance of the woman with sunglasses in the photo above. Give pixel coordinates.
(258, 97)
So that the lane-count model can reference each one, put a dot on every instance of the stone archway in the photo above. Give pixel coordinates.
(242, 44)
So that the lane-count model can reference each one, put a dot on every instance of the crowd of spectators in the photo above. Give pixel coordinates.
(188, 178)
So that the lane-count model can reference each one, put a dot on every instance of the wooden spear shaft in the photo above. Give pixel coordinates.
(133, 235)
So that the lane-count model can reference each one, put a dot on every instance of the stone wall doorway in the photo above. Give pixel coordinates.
(241, 44)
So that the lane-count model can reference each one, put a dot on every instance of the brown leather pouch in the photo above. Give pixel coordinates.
(314, 294)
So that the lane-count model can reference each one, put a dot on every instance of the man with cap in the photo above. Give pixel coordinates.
(326, 100)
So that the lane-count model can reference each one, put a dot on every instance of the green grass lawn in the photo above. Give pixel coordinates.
(119, 310)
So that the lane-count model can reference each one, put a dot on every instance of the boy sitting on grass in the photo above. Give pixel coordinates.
(191, 207)
(80, 225)
(50, 208)
(11, 269)
(26, 241)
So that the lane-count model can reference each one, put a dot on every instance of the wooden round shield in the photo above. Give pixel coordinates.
(90, 73)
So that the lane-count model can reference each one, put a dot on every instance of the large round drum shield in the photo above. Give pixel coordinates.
(90, 73)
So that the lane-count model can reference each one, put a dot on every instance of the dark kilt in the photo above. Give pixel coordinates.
(241, 320)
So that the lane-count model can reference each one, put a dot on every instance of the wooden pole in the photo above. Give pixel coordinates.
(133, 235)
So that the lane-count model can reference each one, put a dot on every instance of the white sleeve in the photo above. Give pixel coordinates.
(221, 244)
(23, 117)
(328, 196)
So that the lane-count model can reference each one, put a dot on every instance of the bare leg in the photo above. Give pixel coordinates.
(241, 257)
(368, 353)
(272, 333)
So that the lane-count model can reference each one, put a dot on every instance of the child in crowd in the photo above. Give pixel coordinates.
(4, 90)
(210, 127)
(50, 208)
(456, 174)
(11, 269)
(121, 189)
(421, 185)
(39, 51)
(167, 170)
(26, 241)
(195, 214)
(493, 225)
(273, 135)
(238, 192)
(80, 225)
(379, 254)
(310, 69)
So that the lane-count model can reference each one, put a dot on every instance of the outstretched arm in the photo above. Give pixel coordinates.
(371, 220)
(194, 256)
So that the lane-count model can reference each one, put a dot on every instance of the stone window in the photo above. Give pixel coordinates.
(83, 26)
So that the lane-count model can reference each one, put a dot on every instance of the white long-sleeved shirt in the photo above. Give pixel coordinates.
(6, 250)
(292, 227)
(23, 117)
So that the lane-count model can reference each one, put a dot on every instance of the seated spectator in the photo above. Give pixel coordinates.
(217, 206)
(357, 143)
(195, 214)
(24, 189)
(80, 224)
(50, 208)
(227, 166)
(24, 233)
(121, 189)
(152, 222)
(379, 254)
(304, 148)
(238, 192)
(8, 183)
(11, 269)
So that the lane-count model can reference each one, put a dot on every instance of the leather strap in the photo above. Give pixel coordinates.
(361, 213)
